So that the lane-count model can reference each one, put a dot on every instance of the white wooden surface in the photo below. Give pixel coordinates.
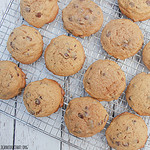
(21, 134)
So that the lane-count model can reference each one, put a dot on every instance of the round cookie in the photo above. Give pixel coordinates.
(25, 44)
(12, 80)
(138, 94)
(64, 56)
(39, 12)
(82, 17)
(127, 132)
(104, 80)
(121, 38)
(85, 117)
(146, 55)
(137, 10)
(43, 97)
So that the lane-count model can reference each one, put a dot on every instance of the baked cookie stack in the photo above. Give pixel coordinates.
(104, 80)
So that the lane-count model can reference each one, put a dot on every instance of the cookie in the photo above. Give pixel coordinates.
(138, 94)
(121, 38)
(64, 56)
(127, 132)
(82, 17)
(146, 55)
(104, 80)
(137, 10)
(39, 12)
(85, 117)
(25, 44)
(12, 80)
(43, 97)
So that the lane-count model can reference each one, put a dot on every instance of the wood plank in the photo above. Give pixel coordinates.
(35, 140)
(6, 130)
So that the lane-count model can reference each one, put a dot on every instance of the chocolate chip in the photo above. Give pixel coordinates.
(75, 6)
(81, 23)
(75, 45)
(11, 33)
(125, 144)
(32, 112)
(91, 68)
(27, 9)
(29, 38)
(66, 54)
(80, 115)
(100, 123)
(117, 143)
(86, 17)
(38, 112)
(36, 32)
(90, 11)
(86, 107)
(131, 4)
(38, 15)
(11, 76)
(137, 141)
(148, 2)
(108, 33)
(37, 101)
(105, 118)
(133, 121)
(127, 128)
(40, 97)
(70, 18)
(122, 79)
(130, 98)
(86, 113)
(104, 74)
(18, 74)
(27, 95)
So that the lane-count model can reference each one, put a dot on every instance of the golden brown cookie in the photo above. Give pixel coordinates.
(121, 38)
(137, 10)
(39, 12)
(12, 80)
(138, 94)
(85, 117)
(64, 56)
(82, 17)
(25, 44)
(43, 97)
(104, 80)
(146, 55)
(127, 132)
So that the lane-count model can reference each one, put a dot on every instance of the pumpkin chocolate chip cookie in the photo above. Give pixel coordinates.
(122, 38)
(12, 80)
(25, 44)
(138, 94)
(146, 55)
(137, 10)
(44, 97)
(85, 117)
(64, 56)
(39, 12)
(104, 80)
(127, 132)
(82, 17)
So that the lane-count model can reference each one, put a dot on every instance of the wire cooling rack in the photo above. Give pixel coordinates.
(54, 125)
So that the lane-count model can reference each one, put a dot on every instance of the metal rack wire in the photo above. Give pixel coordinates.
(54, 124)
